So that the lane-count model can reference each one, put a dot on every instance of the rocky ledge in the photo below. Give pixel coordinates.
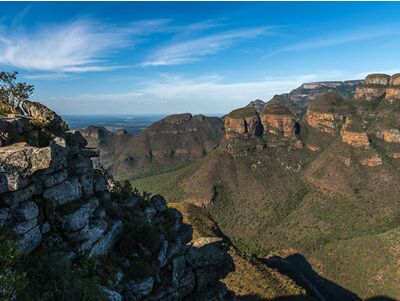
(377, 86)
(52, 199)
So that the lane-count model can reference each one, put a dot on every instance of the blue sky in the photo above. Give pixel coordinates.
(199, 57)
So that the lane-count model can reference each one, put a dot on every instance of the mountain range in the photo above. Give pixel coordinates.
(312, 172)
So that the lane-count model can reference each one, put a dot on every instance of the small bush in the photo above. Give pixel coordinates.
(12, 280)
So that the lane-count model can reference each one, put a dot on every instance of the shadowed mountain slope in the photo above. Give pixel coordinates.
(166, 144)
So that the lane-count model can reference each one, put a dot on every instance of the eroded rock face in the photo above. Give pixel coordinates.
(374, 87)
(326, 113)
(243, 122)
(278, 120)
(370, 93)
(325, 122)
(377, 79)
(353, 134)
(389, 135)
(373, 161)
(355, 139)
(378, 86)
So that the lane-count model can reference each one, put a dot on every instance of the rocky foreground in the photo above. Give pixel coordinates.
(53, 201)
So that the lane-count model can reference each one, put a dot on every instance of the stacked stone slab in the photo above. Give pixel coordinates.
(51, 197)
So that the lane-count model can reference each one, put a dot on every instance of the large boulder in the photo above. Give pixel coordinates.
(43, 117)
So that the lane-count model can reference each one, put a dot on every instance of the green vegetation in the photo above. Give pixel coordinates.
(330, 102)
(12, 92)
(12, 280)
(52, 274)
(243, 112)
(167, 184)
(276, 109)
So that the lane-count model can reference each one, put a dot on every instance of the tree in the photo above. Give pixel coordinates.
(12, 92)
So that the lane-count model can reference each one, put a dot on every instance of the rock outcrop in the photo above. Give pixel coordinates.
(298, 99)
(257, 104)
(243, 122)
(326, 113)
(278, 120)
(389, 135)
(353, 134)
(53, 199)
(379, 86)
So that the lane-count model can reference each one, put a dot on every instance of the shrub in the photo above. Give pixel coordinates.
(12, 280)
(53, 277)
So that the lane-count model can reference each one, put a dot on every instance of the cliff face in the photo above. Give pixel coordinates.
(53, 200)
(278, 120)
(326, 114)
(243, 122)
(298, 99)
(379, 86)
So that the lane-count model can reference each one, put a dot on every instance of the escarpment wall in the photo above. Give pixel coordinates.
(52, 198)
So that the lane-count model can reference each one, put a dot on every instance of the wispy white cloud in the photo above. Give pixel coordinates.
(341, 38)
(193, 50)
(78, 46)
(172, 93)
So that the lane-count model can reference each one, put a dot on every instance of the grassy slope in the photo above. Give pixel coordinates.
(267, 209)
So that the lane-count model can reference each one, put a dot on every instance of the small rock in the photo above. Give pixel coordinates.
(104, 245)
(30, 241)
(24, 227)
(63, 193)
(150, 212)
(143, 287)
(158, 203)
(111, 295)
(27, 212)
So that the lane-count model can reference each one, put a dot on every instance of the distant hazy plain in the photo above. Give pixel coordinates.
(133, 124)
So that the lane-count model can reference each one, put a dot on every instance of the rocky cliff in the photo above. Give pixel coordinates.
(173, 141)
(298, 99)
(332, 200)
(53, 201)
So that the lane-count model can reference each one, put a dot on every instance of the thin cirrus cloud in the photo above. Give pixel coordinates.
(74, 47)
(193, 50)
(341, 38)
(207, 94)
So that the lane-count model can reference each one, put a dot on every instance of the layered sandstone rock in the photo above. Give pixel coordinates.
(389, 135)
(355, 139)
(373, 161)
(326, 113)
(278, 120)
(243, 122)
(353, 134)
(393, 91)
(374, 88)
